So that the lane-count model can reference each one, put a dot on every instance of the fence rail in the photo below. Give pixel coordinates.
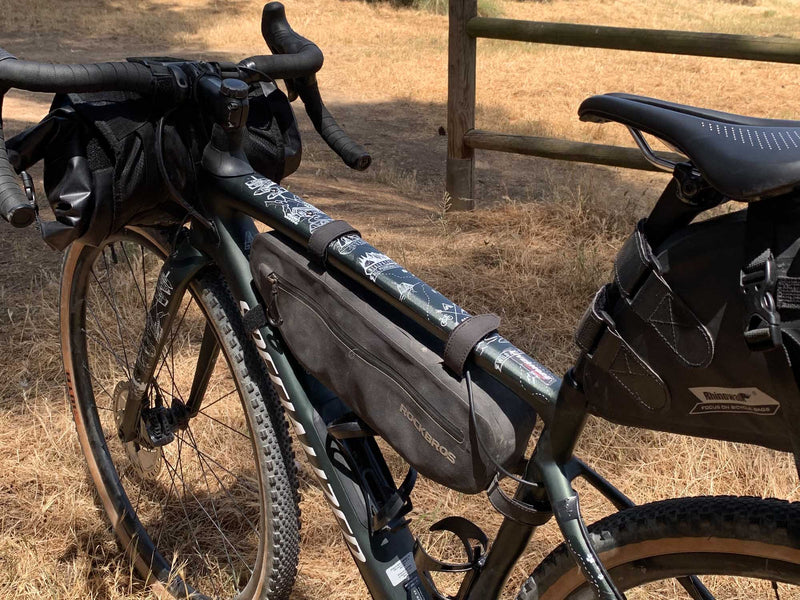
(466, 27)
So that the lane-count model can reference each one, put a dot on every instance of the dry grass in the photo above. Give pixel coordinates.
(542, 242)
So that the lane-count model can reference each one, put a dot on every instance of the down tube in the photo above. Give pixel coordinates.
(384, 559)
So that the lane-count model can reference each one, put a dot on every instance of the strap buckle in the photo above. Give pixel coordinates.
(758, 282)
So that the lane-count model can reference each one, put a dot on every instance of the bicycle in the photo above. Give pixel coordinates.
(141, 356)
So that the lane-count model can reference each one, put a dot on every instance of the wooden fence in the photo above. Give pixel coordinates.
(466, 27)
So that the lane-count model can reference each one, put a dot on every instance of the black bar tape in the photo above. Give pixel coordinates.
(96, 77)
(352, 153)
(324, 236)
(278, 34)
(289, 66)
(14, 205)
(465, 337)
(297, 58)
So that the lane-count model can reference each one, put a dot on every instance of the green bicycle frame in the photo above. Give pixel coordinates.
(385, 557)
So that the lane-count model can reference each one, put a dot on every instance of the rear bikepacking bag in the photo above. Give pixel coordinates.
(389, 371)
(700, 335)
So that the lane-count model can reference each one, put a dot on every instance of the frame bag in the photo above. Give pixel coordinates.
(389, 371)
(700, 335)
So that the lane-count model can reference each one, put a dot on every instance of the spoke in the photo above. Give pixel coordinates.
(220, 399)
(171, 343)
(211, 497)
(116, 308)
(172, 348)
(193, 444)
(247, 437)
(695, 588)
(224, 537)
(116, 356)
(100, 383)
(211, 459)
(163, 505)
(124, 364)
(133, 275)
(144, 276)
(183, 485)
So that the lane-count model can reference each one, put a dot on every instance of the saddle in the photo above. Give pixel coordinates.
(743, 158)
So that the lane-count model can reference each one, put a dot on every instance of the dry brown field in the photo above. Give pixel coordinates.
(538, 246)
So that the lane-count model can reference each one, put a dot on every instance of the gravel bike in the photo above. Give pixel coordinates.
(182, 387)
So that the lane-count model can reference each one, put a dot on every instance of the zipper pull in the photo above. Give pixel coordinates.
(273, 316)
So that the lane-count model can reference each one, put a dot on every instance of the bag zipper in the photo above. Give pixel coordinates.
(373, 361)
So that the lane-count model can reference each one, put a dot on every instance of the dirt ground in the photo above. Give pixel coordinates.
(539, 245)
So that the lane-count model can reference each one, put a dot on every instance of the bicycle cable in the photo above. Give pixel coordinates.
(162, 169)
(481, 447)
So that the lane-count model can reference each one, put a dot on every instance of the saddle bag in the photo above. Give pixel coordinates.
(389, 371)
(694, 336)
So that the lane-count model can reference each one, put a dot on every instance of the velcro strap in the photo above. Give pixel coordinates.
(673, 321)
(255, 318)
(788, 293)
(608, 351)
(634, 261)
(465, 337)
(164, 89)
(515, 509)
(593, 321)
(324, 236)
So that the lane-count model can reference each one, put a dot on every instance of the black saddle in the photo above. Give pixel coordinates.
(742, 157)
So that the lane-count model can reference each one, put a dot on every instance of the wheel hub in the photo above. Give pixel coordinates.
(145, 459)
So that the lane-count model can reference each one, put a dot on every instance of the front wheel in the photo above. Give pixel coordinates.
(740, 548)
(212, 513)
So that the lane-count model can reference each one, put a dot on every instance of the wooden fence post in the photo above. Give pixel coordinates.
(460, 105)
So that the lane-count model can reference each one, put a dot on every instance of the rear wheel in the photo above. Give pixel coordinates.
(741, 548)
(213, 513)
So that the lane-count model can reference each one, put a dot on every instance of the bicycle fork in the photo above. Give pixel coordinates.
(183, 263)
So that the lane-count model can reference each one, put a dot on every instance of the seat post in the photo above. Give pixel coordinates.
(686, 196)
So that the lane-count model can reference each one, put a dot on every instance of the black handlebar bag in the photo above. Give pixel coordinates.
(101, 168)
(102, 151)
(695, 336)
(388, 370)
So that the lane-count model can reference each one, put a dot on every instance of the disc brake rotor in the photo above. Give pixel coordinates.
(146, 461)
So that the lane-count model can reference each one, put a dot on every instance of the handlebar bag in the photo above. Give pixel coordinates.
(663, 346)
(272, 143)
(101, 163)
(388, 370)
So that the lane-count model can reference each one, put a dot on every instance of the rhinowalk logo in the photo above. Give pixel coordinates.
(733, 400)
(426, 435)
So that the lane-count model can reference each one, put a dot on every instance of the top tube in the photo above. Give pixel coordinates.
(268, 202)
